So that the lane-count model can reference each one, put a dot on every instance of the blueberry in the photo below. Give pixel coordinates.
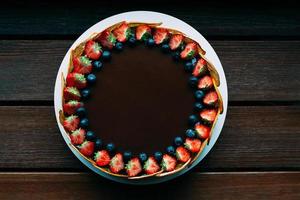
(198, 106)
(178, 141)
(98, 144)
(91, 78)
(127, 156)
(171, 150)
(165, 48)
(199, 94)
(81, 112)
(85, 93)
(190, 133)
(193, 81)
(188, 67)
(143, 157)
(110, 147)
(193, 119)
(90, 135)
(84, 123)
(194, 61)
(119, 46)
(132, 41)
(97, 65)
(106, 55)
(176, 55)
(158, 156)
(150, 42)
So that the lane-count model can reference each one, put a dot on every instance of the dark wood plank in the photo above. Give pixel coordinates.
(253, 138)
(255, 70)
(253, 185)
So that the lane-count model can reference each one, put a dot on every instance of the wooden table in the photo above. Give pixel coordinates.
(258, 153)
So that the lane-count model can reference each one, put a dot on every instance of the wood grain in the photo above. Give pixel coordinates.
(255, 70)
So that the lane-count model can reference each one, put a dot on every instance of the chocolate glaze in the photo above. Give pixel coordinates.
(141, 100)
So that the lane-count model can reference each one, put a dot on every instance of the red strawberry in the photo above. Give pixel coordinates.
(122, 33)
(168, 163)
(151, 166)
(133, 167)
(71, 93)
(82, 65)
(76, 80)
(211, 98)
(160, 35)
(208, 115)
(193, 145)
(87, 148)
(202, 130)
(142, 32)
(205, 82)
(175, 41)
(71, 106)
(116, 163)
(182, 154)
(78, 136)
(189, 51)
(92, 50)
(71, 123)
(102, 158)
(107, 39)
(200, 68)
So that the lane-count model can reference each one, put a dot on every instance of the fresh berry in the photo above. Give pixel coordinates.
(98, 144)
(97, 65)
(194, 61)
(165, 48)
(85, 93)
(116, 163)
(193, 145)
(76, 80)
(158, 156)
(176, 41)
(188, 67)
(87, 148)
(127, 155)
(71, 106)
(119, 46)
(168, 163)
(190, 133)
(189, 51)
(160, 35)
(133, 167)
(106, 55)
(107, 39)
(93, 50)
(143, 157)
(132, 41)
(211, 98)
(150, 42)
(90, 135)
(182, 154)
(176, 55)
(199, 94)
(200, 68)
(71, 123)
(205, 83)
(81, 112)
(208, 115)
(142, 32)
(102, 158)
(202, 131)
(193, 119)
(110, 147)
(171, 150)
(91, 78)
(84, 123)
(198, 106)
(122, 33)
(151, 166)
(193, 81)
(178, 141)
(71, 93)
(82, 65)
(78, 136)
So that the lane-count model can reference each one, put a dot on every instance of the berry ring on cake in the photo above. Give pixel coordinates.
(139, 100)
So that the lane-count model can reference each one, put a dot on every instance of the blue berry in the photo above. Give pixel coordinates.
(188, 67)
(110, 147)
(132, 41)
(143, 157)
(84, 123)
(119, 46)
(85, 93)
(165, 48)
(176, 55)
(193, 119)
(106, 55)
(81, 112)
(193, 81)
(90, 135)
(158, 156)
(98, 144)
(150, 42)
(178, 141)
(91, 78)
(190, 133)
(199, 94)
(127, 156)
(194, 61)
(97, 65)
(198, 106)
(171, 150)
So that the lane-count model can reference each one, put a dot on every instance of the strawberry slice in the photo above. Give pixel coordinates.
(168, 163)
(211, 98)
(71, 93)
(71, 106)
(116, 163)
(176, 41)
(208, 115)
(78, 136)
(133, 167)
(107, 39)
(205, 83)
(160, 35)
(122, 33)
(93, 50)
(82, 65)
(142, 32)
(71, 123)
(202, 130)
(151, 166)
(76, 80)
(182, 154)
(102, 158)
(87, 148)
(200, 68)
(189, 51)
(193, 145)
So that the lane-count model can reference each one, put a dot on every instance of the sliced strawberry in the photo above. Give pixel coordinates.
(151, 166)
(200, 67)
(71, 123)
(82, 65)
(93, 50)
(189, 51)
(211, 98)
(107, 39)
(116, 163)
(102, 158)
(122, 33)
(133, 167)
(202, 130)
(71, 106)
(208, 115)
(176, 41)
(205, 83)
(87, 148)
(142, 32)
(168, 163)
(193, 145)
(71, 93)
(78, 136)
(160, 35)
(76, 80)
(182, 154)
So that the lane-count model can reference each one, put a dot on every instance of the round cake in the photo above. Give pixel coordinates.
(140, 100)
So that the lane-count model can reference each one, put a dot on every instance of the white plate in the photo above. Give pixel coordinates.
(167, 21)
